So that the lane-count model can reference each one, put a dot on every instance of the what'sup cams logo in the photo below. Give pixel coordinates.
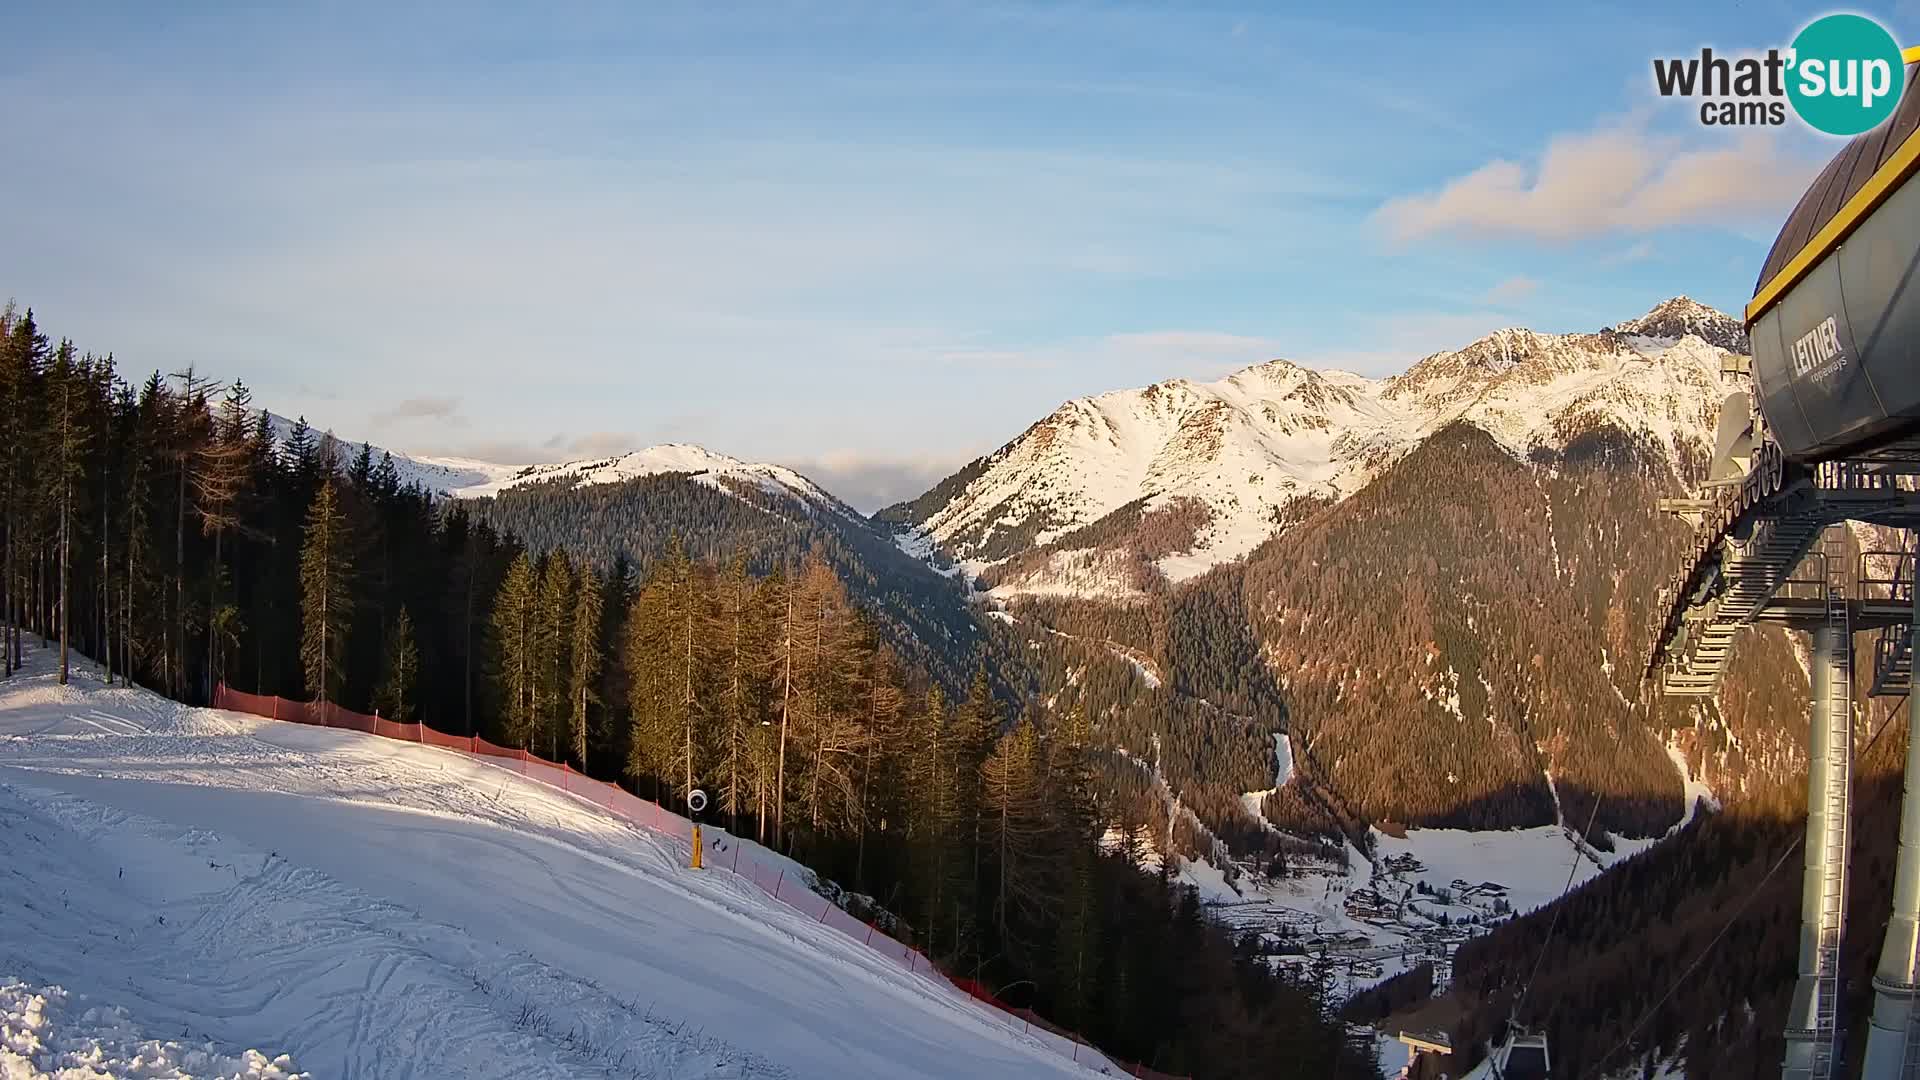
(1842, 75)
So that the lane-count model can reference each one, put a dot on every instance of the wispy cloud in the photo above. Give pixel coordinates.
(445, 409)
(1621, 178)
(1638, 251)
(1510, 291)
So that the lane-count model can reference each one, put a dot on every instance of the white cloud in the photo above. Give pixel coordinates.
(868, 482)
(1620, 178)
(1510, 291)
(444, 408)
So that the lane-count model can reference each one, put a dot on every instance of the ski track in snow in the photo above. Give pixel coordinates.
(376, 909)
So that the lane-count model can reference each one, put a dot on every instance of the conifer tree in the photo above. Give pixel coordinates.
(26, 354)
(738, 611)
(976, 725)
(515, 613)
(886, 736)
(395, 699)
(783, 659)
(1014, 815)
(583, 669)
(220, 476)
(930, 811)
(326, 594)
(829, 729)
(190, 427)
(655, 689)
(70, 436)
(553, 639)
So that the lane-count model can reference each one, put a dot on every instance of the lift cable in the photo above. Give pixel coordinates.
(1513, 1015)
(1885, 722)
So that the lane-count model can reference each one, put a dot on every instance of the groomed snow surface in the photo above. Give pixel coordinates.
(206, 883)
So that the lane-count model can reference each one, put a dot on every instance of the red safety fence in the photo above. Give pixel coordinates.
(774, 879)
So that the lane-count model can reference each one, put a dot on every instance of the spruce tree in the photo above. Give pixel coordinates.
(515, 612)
(654, 693)
(1014, 815)
(26, 354)
(583, 669)
(326, 594)
(930, 810)
(69, 435)
(395, 699)
(553, 639)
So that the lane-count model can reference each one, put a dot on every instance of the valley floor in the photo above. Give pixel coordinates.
(367, 908)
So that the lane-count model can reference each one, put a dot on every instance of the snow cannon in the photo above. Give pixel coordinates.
(1835, 316)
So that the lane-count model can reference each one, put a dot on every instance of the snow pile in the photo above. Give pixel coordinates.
(1249, 445)
(45, 1033)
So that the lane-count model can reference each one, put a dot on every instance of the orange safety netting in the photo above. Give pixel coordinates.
(773, 880)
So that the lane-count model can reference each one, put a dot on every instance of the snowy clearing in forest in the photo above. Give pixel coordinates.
(378, 909)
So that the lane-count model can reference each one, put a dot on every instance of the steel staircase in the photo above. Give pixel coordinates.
(1893, 649)
(1692, 654)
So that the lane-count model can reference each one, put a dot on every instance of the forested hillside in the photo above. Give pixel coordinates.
(923, 615)
(161, 528)
(1471, 623)
(1614, 988)
(1438, 645)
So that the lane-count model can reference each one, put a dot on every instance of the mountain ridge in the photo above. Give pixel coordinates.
(1237, 453)
(471, 478)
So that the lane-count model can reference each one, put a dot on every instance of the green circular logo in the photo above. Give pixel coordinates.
(1846, 75)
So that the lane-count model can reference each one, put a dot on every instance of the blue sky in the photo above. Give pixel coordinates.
(872, 241)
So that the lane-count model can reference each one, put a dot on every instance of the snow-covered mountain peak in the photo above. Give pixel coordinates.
(1674, 319)
(468, 478)
(1235, 454)
(708, 466)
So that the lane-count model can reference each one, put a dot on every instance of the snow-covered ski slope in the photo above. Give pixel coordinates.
(374, 909)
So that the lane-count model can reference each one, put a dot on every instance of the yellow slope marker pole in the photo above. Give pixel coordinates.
(696, 802)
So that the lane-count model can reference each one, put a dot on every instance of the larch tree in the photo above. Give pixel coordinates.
(829, 731)
(220, 467)
(326, 594)
(190, 429)
(885, 744)
(738, 609)
(783, 654)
